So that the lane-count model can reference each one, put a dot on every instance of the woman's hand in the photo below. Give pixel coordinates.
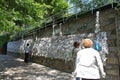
(103, 75)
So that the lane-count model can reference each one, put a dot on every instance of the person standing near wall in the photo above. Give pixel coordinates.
(27, 52)
(89, 65)
(76, 48)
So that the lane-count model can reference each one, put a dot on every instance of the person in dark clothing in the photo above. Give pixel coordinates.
(27, 50)
(76, 48)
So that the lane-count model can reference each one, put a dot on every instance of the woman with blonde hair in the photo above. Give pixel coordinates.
(89, 65)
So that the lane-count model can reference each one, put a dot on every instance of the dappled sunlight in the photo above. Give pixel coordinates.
(15, 69)
(18, 59)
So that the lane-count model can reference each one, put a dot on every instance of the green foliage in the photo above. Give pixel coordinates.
(19, 15)
(118, 5)
(4, 39)
(85, 5)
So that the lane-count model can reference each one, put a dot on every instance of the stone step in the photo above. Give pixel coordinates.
(112, 36)
(111, 66)
(110, 77)
(112, 70)
(112, 49)
(112, 42)
(112, 60)
(112, 54)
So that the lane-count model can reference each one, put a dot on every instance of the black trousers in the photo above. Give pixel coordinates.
(85, 79)
(26, 57)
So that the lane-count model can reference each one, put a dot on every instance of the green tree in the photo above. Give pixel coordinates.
(17, 15)
(85, 5)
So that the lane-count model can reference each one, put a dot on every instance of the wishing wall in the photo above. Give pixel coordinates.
(57, 47)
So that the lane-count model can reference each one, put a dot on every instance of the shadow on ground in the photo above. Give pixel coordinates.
(12, 68)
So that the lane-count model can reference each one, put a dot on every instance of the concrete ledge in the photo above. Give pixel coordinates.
(59, 64)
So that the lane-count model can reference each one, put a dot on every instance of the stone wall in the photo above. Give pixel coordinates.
(109, 23)
(55, 47)
(56, 51)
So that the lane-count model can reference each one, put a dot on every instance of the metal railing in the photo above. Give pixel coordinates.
(72, 12)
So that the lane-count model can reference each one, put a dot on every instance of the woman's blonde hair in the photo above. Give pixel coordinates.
(87, 43)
